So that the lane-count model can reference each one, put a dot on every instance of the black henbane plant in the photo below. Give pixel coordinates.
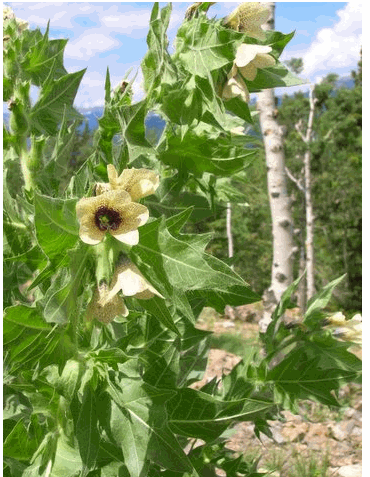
(102, 289)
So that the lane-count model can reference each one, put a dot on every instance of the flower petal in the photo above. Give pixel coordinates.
(249, 72)
(235, 87)
(248, 18)
(91, 235)
(138, 183)
(133, 216)
(263, 60)
(130, 280)
(129, 238)
(247, 53)
(105, 307)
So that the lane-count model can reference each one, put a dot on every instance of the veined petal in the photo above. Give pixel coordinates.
(249, 72)
(91, 235)
(263, 60)
(131, 282)
(129, 238)
(105, 307)
(248, 18)
(133, 216)
(138, 183)
(235, 87)
(246, 53)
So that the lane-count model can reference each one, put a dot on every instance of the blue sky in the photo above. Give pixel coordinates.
(113, 34)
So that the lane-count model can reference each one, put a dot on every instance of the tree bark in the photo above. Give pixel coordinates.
(308, 200)
(280, 203)
(229, 232)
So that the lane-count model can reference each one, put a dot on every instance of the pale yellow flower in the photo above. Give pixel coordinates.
(138, 183)
(104, 307)
(248, 18)
(131, 282)
(8, 14)
(235, 86)
(251, 57)
(112, 212)
(338, 319)
(347, 330)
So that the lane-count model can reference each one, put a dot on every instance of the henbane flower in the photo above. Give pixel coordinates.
(347, 330)
(112, 212)
(138, 183)
(131, 282)
(249, 58)
(104, 307)
(248, 18)
(235, 86)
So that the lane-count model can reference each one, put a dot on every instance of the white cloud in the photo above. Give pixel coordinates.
(127, 22)
(336, 47)
(89, 45)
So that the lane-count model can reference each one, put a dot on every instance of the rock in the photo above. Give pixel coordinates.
(317, 436)
(356, 431)
(350, 471)
(278, 437)
(229, 312)
(338, 433)
(295, 433)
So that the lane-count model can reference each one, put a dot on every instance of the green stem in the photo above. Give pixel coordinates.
(26, 171)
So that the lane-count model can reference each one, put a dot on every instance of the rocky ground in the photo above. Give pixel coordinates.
(331, 442)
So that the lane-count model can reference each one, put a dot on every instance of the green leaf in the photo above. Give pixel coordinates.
(19, 444)
(314, 371)
(203, 45)
(199, 154)
(273, 77)
(40, 59)
(240, 109)
(195, 345)
(67, 383)
(87, 433)
(56, 225)
(18, 239)
(138, 424)
(180, 263)
(196, 414)
(321, 299)
(54, 96)
(25, 316)
(62, 296)
(132, 121)
(157, 307)
(157, 65)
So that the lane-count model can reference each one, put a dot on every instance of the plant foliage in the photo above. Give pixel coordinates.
(89, 398)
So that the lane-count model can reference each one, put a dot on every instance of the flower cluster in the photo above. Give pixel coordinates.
(247, 18)
(347, 330)
(115, 210)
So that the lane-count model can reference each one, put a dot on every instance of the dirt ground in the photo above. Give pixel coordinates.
(317, 433)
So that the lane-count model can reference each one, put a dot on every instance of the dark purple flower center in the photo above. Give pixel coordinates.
(107, 219)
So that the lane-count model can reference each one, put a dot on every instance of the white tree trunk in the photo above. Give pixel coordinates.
(280, 203)
(308, 201)
(229, 232)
